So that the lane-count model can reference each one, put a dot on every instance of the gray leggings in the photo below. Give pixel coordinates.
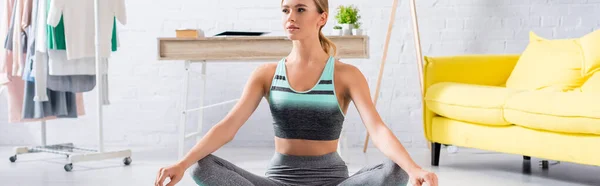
(326, 170)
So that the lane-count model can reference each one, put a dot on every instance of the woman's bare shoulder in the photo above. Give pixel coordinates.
(346, 71)
(267, 70)
(267, 67)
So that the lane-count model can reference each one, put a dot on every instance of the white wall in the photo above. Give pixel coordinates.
(145, 92)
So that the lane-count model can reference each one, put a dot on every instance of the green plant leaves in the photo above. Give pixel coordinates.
(347, 15)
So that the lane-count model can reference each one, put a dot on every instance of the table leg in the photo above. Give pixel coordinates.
(183, 120)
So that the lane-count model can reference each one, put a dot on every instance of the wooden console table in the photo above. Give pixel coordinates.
(247, 49)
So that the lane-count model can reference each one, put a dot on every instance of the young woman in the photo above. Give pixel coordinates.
(308, 92)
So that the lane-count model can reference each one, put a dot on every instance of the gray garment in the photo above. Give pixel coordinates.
(24, 41)
(8, 43)
(212, 170)
(23, 36)
(326, 170)
(29, 59)
(74, 83)
(59, 104)
(78, 83)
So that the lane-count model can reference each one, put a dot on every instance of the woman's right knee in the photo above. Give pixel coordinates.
(204, 166)
(207, 160)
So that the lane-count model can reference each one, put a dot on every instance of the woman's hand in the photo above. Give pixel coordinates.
(420, 177)
(173, 172)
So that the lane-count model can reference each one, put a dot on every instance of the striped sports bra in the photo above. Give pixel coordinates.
(314, 114)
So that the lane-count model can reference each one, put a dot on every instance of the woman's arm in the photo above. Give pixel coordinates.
(225, 130)
(383, 138)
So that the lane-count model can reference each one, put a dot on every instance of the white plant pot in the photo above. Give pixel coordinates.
(347, 32)
(347, 26)
(357, 32)
(347, 29)
(336, 32)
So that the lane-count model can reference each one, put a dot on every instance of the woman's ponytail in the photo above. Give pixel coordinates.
(327, 44)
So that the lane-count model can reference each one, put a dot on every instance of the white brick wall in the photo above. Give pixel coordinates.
(145, 92)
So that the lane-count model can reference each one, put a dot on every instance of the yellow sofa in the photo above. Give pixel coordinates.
(467, 104)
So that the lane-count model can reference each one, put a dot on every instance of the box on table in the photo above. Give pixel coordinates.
(189, 33)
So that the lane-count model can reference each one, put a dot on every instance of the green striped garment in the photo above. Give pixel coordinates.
(314, 114)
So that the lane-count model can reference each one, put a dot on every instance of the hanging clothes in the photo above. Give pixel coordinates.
(45, 67)
(29, 25)
(7, 60)
(15, 97)
(74, 83)
(18, 38)
(5, 20)
(60, 38)
(62, 78)
(59, 65)
(75, 75)
(20, 108)
(39, 68)
(80, 38)
(16, 104)
(27, 14)
(9, 42)
(14, 86)
(62, 104)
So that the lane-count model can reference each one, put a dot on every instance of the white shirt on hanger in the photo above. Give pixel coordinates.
(78, 19)
(60, 65)
(40, 68)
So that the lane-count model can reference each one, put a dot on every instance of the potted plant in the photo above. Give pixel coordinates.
(347, 16)
(357, 31)
(337, 30)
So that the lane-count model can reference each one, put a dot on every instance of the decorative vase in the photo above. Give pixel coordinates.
(357, 32)
(347, 29)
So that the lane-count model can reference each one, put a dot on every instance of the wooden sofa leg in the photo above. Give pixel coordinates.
(435, 153)
(526, 158)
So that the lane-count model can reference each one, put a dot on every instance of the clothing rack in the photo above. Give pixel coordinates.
(76, 154)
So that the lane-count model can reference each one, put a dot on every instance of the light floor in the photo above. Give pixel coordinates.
(465, 168)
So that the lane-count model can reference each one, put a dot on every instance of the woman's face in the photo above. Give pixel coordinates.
(301, 18)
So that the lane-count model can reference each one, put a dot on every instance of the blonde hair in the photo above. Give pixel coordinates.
(327, 45)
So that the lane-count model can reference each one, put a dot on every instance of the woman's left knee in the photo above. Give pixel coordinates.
(395, 170)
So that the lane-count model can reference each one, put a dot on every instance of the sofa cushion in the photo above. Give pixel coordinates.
(592, 84)
(567, 112)
(545, 63)
(467, 102)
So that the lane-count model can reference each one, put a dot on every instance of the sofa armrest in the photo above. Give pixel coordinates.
(472, 69)
(482, 69)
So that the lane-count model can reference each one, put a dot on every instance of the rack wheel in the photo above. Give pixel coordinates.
(13, 158)
(127, 160)
(69, 167)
